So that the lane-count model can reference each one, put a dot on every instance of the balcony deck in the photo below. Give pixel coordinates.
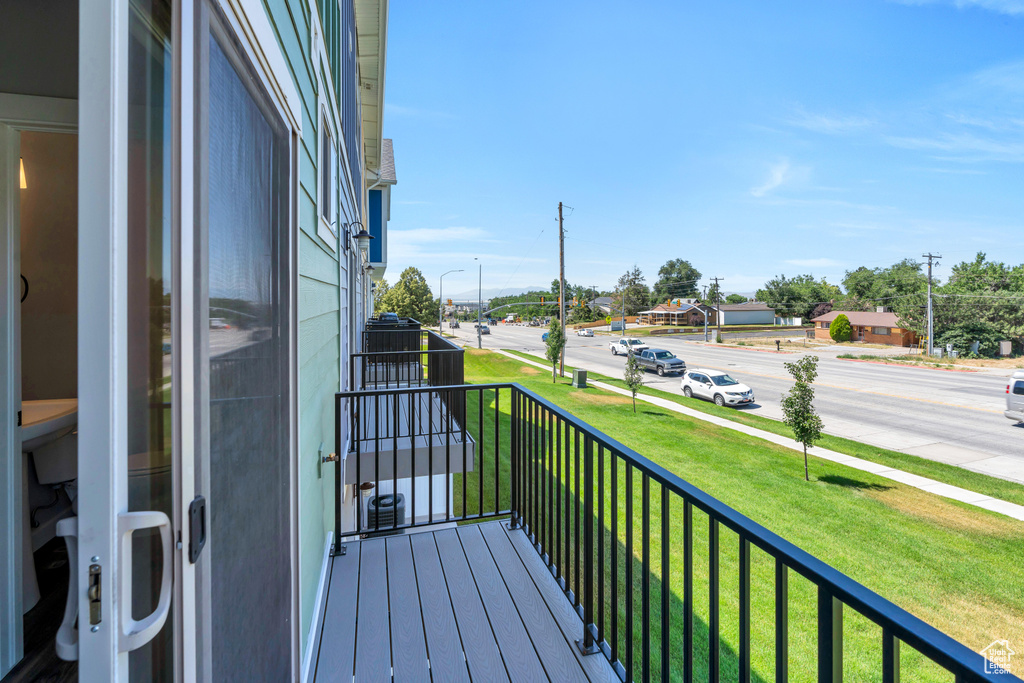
(469, 602)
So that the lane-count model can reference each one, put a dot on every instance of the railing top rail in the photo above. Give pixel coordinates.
(405, 353)
(923, 637)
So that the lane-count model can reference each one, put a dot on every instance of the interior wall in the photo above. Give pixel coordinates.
(39, 47)
(49, 261)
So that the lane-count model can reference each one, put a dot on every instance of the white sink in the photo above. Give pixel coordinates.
(45, 421)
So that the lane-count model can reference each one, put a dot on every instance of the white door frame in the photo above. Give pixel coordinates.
(103, 316)
(17, 113)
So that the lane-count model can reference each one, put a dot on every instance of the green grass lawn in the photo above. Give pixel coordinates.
(954, 566)
(947, 474)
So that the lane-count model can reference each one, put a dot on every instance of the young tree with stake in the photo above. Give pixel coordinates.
(554, 345)
(633, 376)
(798, 405)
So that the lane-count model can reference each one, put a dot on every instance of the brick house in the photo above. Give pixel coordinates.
(868, 326)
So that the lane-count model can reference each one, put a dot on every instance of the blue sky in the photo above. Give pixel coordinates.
(750, 138)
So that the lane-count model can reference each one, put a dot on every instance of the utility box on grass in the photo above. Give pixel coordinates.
(579, 378)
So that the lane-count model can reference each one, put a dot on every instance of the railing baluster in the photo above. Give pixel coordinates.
(645, 593)
(556, 478)
(567, 486)
(430, 454)
(890, 657)
(576, 572)
(463, 424)
(358, 416)
(714, 627)
(830, 637)
(781, 621)
(586, 643)
(479, 454)
(394, 457)
(413, 433)
(513, 470)
(666, 581)
(628, 556)
(744, 610)
(688, 592)
(376, 457)
(447, 420)
(497, 452)
(600, 540)
(338, 483)
(614, 559)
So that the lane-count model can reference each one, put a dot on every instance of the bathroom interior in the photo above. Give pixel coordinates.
(45, 228)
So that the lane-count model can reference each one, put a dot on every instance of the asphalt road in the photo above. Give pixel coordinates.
(952, 417)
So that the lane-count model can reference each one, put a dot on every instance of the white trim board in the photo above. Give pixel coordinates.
(312, 643)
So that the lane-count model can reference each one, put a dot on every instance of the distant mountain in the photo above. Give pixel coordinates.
(491, 292)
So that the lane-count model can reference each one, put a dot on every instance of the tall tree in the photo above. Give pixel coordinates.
(677, 279)
(379, 292)
(797, 296)
(735, 299)
(798, 405)
(632, 291)
(410, 297)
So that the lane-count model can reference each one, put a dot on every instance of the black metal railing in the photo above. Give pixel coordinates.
(405, 358)
(624, 538)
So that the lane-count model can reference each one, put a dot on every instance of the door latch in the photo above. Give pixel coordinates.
(95, 594)
(196, 528)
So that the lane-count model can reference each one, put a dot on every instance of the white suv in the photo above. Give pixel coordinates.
(716, 386)
(1015, 397)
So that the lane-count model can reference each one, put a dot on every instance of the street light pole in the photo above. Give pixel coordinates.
(479, 304)
(440, 298)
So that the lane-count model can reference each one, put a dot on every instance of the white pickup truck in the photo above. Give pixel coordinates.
(625, 345)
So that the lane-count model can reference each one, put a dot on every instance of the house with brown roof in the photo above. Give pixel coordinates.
(873, 327)
(679, 312)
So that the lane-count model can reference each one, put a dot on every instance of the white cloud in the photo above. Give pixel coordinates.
(820, 123)
(1011, 7)
(778, 175)
(964, 147)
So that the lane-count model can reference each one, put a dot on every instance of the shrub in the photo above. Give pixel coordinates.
(963, 335)
(840, 330)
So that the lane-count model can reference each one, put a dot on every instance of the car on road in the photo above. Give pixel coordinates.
(544, 337)
(717, 386)
(625, 345)
(1015, 397)
(484, 329)
(661, 361)
(584, 332)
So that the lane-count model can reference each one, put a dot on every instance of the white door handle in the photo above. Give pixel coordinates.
(134, 634)
(66, 642)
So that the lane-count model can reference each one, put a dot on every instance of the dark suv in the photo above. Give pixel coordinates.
(661, 361)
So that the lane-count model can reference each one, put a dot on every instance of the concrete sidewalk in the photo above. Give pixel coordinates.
(930, 485)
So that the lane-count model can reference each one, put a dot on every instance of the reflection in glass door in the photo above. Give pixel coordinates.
(244, 582)
(149, 349)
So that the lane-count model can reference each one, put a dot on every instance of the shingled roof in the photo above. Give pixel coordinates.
(387, 163)
(862, 318)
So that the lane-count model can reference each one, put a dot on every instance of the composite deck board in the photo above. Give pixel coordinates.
(444, 645)
(338, 635)
(373, 639)
(596, 666)
(474, 603)
(520, 655)
(482, 655)
(547, 637)
(408, 642)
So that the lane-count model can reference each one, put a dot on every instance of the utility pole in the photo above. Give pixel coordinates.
(931, 344)
(561, 288)
(704, 302)
(718, 307)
